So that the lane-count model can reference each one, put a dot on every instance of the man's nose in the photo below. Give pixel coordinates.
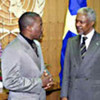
(78, 23)
(42, 29)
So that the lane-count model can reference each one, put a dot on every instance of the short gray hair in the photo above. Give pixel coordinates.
(89, 12)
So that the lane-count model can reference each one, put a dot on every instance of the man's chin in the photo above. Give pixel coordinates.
(80, 33)
(41, 36)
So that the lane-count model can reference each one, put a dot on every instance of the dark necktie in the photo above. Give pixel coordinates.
(35, 48)
(83, 47)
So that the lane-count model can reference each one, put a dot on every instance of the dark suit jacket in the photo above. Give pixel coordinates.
(81, 78)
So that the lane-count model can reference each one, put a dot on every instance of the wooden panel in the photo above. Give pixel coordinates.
(96, 6)
(53, 22)
(3, 96)
(53, 95)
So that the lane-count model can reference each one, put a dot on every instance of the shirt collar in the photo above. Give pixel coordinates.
(90, 34)
(28, 40)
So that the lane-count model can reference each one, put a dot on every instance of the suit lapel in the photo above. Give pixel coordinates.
(77, 50)
(34, 57)
(94, 45)
(29, 50)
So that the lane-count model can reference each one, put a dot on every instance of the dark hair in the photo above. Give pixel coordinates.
(26, 19)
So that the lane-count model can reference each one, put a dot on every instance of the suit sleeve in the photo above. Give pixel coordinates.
(12, 78)
(66, 72)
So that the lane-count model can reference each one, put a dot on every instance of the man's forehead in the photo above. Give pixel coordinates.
(81, 16)
(37, 19)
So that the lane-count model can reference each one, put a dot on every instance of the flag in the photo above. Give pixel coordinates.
(70, 29)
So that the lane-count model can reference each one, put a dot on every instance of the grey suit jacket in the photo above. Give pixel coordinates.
(22, 69)
(81, 78)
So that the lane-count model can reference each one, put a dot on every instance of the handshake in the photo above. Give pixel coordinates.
(47, 80)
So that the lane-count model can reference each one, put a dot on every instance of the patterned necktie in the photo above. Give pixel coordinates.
(83, 47)
(35, 48)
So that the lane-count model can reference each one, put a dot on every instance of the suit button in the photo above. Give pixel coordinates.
(86, 79)
(76, 77)
(76, 88)
(74, 66)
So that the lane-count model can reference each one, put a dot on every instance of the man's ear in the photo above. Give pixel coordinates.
(92, 23)
(28, 27)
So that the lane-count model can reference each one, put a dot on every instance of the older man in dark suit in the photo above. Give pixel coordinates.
(23, 68)
(81, 76)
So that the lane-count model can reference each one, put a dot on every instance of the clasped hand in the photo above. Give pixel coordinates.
(47, 80)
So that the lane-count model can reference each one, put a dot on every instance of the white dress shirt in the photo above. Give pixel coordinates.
(89, 37)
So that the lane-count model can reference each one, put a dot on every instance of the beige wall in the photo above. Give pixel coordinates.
(53, 22)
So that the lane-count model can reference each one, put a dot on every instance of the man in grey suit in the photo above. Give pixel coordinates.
(81, 76)
(23, 68)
